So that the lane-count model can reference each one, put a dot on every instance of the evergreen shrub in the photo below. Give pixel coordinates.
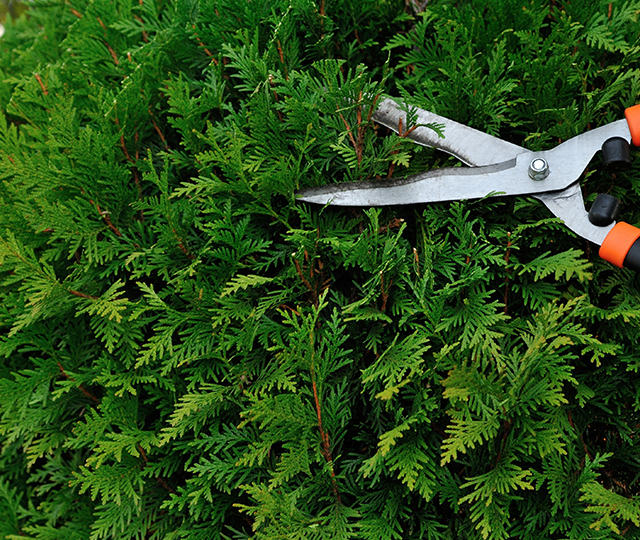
(188, 352)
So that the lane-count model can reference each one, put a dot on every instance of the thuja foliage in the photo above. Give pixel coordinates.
(188, 352)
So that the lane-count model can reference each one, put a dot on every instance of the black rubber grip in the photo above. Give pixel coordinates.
(616, 153)
(605, 210)
(632, 259)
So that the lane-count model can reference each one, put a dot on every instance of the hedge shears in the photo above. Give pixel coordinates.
(500, 168)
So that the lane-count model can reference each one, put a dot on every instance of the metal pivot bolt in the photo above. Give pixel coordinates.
(538, 169)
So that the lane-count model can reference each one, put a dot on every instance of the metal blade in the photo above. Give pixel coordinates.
(469, 145)
(568, 205)
(432, 186)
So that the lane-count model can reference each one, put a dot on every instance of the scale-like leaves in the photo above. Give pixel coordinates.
(190, 352)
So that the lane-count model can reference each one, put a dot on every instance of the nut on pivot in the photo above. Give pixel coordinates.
(538, 169)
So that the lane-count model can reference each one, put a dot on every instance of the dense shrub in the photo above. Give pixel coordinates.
(188, 352)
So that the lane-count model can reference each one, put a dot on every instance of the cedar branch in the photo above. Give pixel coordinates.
(80, 387)
(506, 281)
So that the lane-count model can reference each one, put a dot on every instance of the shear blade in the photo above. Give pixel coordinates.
(568, 205)
(432, 186)
(469, 145)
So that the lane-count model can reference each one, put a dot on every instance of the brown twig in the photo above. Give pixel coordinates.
(346, 124)
(44, 88)
(124, 149)
(107, 219)
(410, 130)
(104, 28)
(80, 387)
(402, 135)
(281, 54)
(584, 444)
(285, 306)
(392, 166)
(122, 143)
(145, 37)
(113, 53)
(373, 107)
(143, 453)
(324, 437)
(136, 180)
(393, 224)
(105, 216)
(468, 259)
(276, 97)
(361, 130)
(385, 293)
(206, 51)
(82, 295)
(311, 289)
(357, 145)
(155, 125)
(136, 138)
(166, 486)
(182, 245)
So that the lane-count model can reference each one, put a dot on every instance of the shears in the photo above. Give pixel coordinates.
(501, 168)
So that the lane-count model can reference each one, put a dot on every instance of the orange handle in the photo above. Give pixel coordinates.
(621, 246)
(632, 114)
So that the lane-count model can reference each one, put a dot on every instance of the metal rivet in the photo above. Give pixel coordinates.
(538, 169)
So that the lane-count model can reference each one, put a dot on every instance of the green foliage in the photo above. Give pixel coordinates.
(188, 352)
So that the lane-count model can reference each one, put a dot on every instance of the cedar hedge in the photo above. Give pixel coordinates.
(187, 352)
